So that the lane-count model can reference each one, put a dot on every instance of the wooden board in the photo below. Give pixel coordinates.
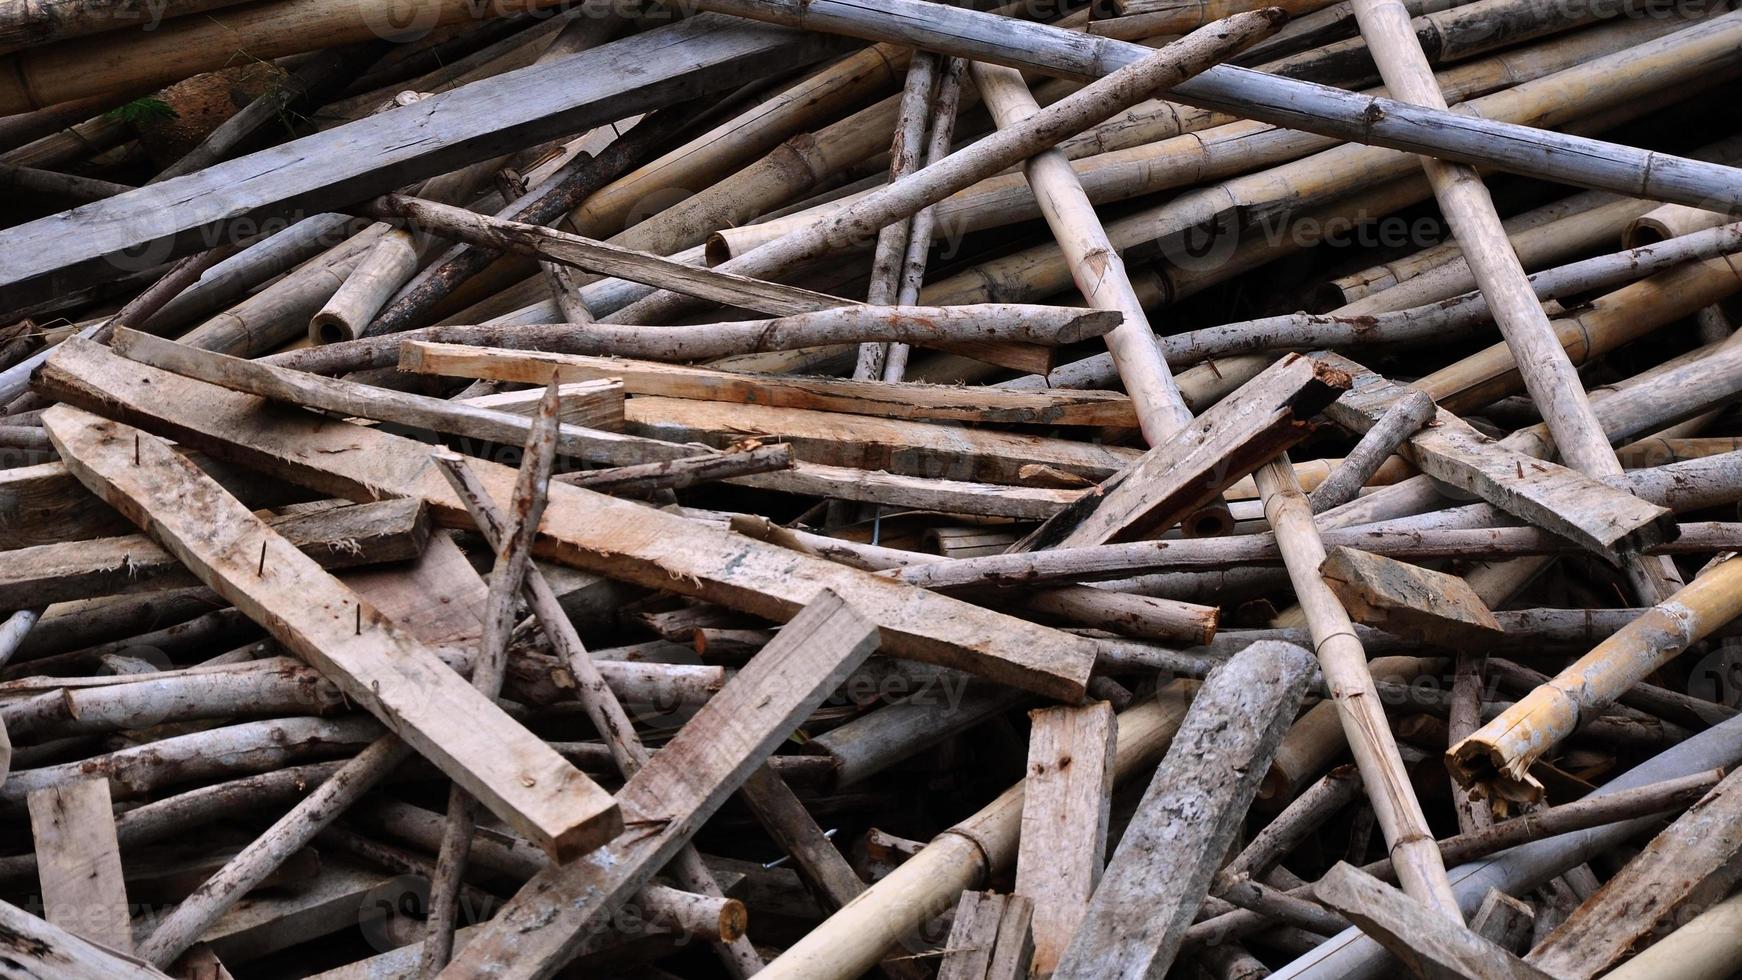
(1064, 820)
(32, 948)
(377, 154)
(340, 537)
(1608, 521)
(373, 660)
(895, 400)
(1428, 943)
(1192, 467)
(664, 803)
(593, 404)
(989, 939)
(894, 445)
(79, 861)
(1425, 605)
(615, 538)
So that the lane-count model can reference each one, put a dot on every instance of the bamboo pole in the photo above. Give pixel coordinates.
(1498, 756)
(30, 24)
(1344, 664)
(377, 275)
(862, 220)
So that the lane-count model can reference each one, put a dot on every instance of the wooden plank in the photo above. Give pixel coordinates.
(79, 862)
(385, 151)
(1694, 859)
(543, 925)
(1064, 820)
(1192, 467)
(590, 404)
(339, 537)
(1429, 944)
(373, 660)
(618, 539)
(990, 938)
(35, 949)
(1188, 817)
(1609, 521)
(894, 445)
(1425, 605)
(896, 400)
(1503, 920)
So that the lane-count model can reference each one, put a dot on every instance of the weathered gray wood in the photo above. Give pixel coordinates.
(1195, 464)
(1407, 599)
(79, 862)
(1607, 520)
(385, 151)
(36, 950)
(1195, 803)
(989, 939)
(623, 540)
(375, 661)
(340, 537)
(1503, 920)
(1064, 820)
(1402, 420)
(1696, 856)
(679, 788)
(1429, 944)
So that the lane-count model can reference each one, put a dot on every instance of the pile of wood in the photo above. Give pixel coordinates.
(820, 489)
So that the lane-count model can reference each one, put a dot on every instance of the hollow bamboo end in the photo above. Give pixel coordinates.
(1480, 765)
(716, 249)
(330, 328)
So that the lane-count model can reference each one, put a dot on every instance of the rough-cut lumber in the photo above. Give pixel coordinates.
(1503, 920)
(377, 154)
(1189, 815)
(1431, 606)
(1064, 820)
(1696, 855)
(1609, 521)
(373, 660)
(989, 939)
(681, 786)
(1194, 465)
(1429, 945)
(899, 400)
(588, 530)
(1708, 947)
(339, 537)
(73, 826)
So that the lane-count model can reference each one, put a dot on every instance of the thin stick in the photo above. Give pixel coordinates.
(922, 225)
(904, 158)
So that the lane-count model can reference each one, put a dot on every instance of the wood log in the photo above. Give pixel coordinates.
(312, 613)
(1150, 890)
(677, 789)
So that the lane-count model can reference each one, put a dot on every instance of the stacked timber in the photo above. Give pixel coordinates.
(815, 489)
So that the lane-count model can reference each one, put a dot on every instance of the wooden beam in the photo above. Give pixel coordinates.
(1429, 944)
(377, 664)
(1196, 463)
(1695, 856)
(34, 948)
(79, 862)
(544, 924)
(885, 399)
(1064, 820)
(1189, 815)
(591, 531)
(1609, 521)
(860, 441)
(592, 404)
(1425, 605)
(385, 151)
(989, 939)
(338, 537)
